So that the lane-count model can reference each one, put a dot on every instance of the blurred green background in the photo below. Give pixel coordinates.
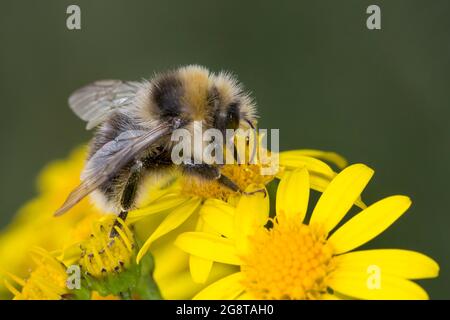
(378, 97)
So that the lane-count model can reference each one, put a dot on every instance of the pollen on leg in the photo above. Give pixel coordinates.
(291, 260)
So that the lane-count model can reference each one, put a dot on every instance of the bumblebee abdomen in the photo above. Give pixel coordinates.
(109, 195)
(167, 93)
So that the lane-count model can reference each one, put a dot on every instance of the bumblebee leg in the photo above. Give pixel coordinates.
(210, 172)
(202, 170)
(227, 182)
(128, 195)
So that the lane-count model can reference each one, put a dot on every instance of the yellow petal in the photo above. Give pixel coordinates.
(402, 263)
(169, 260)
(172, 221)
(361, 286)
(340, 195)
(293, 161)
(177, 286)
(369, 223)
(200, 268)
(172, 271)
(252, 212)
(227, 288)
(208, 246)
(165, 203)
(320, 183)
(320, 173)
(331, 157)
(293, 194)
(219, 216)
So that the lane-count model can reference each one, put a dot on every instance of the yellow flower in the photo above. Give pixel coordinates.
(35, 225)
(186, 196)
(286, 258)
(107, 265)
(172, 273)
(47, 281)
(102, 255)
(169, 206)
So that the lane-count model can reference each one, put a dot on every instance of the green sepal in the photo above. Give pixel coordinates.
(132, 281)
(80, 294)
(146, 287)
(115, 283)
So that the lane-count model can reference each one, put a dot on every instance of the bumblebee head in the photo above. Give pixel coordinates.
(196, 94)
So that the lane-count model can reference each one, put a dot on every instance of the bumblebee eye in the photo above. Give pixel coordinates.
(232, 118)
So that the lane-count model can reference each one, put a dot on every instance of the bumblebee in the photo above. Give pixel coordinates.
(134, 122)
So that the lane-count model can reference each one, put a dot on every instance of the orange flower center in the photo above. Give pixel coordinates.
(291, 260)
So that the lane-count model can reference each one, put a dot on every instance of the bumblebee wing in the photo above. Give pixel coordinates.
(77, 194)
(109, 159)
(94, 102)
